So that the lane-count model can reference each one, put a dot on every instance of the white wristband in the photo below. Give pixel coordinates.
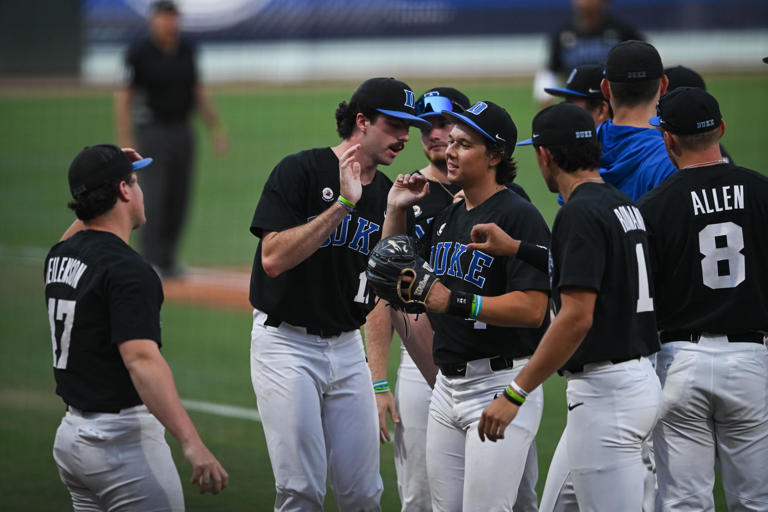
(518, 389)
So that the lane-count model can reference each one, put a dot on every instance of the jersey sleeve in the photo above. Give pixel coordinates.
(579, 249)
(530, 227)
(135, 295)
(283, 201)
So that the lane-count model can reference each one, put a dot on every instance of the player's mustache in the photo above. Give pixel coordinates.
(397, 146)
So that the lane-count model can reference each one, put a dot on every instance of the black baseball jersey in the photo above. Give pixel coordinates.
(441, 195)
(599, 242)
(459, 340)
(165, 82)
(99, 293)
(328, 289)
(707, 227)
(570, 46)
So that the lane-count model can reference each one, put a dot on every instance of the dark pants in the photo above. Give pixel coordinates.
(166, 185)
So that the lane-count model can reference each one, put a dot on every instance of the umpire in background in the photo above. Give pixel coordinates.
(161, 92)
(707, 228)
(103, 303)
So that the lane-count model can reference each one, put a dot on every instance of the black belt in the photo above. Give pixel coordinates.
(694, 337)
(273, 321)
(460, 369)
(580, 368)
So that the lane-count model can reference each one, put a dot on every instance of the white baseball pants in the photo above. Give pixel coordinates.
(319, 414)
(117, 462)
(612, 409)
(715, 402)
(466, 474)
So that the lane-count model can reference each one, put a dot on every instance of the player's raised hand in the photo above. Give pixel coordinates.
(349, 175)
(491, 239)
(407, 190)
(132, 154)
(495, 419)
(207, 473)
(385, 404)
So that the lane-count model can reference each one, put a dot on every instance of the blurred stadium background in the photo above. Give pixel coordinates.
(277, 69)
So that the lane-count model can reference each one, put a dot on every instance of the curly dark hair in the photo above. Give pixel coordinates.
(99, 200)
(346, 115)
(506, 169)
(572, 157)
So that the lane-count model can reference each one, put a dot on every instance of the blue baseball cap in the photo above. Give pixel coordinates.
(95, 165)
(390, 97)
(489, 118)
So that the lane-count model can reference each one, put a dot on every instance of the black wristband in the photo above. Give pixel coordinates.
(534, 255)
(460, 304)
(511, 398)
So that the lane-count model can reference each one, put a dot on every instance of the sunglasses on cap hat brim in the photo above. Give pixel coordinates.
(433, 106)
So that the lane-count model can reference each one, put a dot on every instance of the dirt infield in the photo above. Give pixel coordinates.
(215, 288)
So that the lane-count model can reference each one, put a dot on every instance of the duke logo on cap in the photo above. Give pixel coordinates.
(633, 61)
(686, 111)
(390, 97)
(489, 118)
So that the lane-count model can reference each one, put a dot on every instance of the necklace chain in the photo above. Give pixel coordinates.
(704, 164)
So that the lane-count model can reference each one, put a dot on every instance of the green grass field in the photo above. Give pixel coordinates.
(40, 132)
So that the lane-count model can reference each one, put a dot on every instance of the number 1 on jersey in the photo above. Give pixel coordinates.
(59, 309)
(644, 300)
(361, 296)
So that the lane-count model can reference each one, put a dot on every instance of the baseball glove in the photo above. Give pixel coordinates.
(398, 275)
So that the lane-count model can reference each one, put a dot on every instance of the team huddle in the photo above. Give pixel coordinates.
(649, 295)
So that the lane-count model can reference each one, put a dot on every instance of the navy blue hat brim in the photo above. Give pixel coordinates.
(557, 91)
(526, 142)
(140, 164)
(423, 123)
(469, 122)
(655, 121)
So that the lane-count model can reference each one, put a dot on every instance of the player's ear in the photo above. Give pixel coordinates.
(606, 88)
(663, 84)
(722, 128)
(362, 122)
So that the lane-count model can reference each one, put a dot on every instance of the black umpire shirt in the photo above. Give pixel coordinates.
(328, 289)
(458, 340)
(165, 81)
(99, 293)
(707, 227)
(599, 242)
(570, 47)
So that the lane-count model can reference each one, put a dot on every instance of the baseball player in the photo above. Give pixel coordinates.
(583, 90)
(604, 328)
(681, 76)
(486, 312)
(706, 226)
(103, 303)
(318, 218)
(413, 391)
